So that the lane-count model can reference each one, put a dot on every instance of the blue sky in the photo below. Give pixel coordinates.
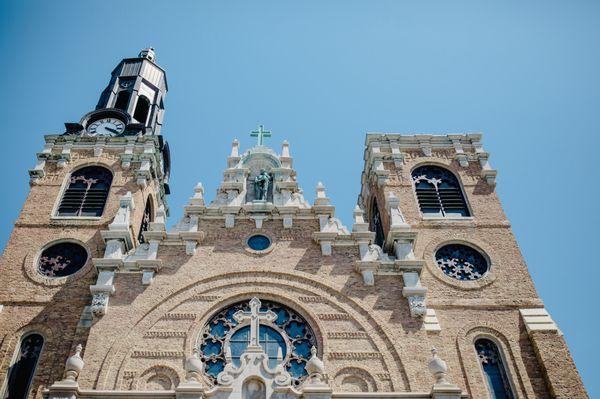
(322, 74)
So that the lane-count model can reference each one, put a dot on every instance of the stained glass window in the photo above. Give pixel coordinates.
(86, 193)
(461, 262)
(259, 242)
(439, 192)
(21, 372)
(289, 331)
(62, 259)
(493, 369)
(147, 218)
(377, 225)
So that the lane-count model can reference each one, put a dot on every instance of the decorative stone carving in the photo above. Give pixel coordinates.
(99, 304)
(415, 293)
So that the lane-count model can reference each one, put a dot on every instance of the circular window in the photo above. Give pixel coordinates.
(259, 242)
(288, 333)
(62, 259)
(461, 262)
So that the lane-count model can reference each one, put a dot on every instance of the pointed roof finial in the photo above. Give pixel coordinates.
(148, 53)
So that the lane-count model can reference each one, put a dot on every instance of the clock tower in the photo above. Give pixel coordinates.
(132, 102)
(97, 190)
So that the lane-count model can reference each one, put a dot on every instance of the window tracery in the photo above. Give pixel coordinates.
(62, 259)
(461, 262)
(493, 369)
(288, 333)
(439, 192)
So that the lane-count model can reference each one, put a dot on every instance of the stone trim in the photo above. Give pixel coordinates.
(354, 355)
(165, 334)
(179, 316)
(333, 316)
(158, 354)
(343, 335)
(538, 319)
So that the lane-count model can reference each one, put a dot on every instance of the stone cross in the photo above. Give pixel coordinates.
(260, 134)
(255, 316)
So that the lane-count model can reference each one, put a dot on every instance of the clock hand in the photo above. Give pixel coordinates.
(111, 130)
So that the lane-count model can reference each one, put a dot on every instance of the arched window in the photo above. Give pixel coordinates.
(493, 369)
(123, 100)
(438, 192)
(147, 218)
(289, 335)
(20, 374)
(86, 193)
(141, 110)
(376, 225)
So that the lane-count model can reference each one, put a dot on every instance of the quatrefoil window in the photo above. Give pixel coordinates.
(62, 259)
(461, 262)
(288, 335)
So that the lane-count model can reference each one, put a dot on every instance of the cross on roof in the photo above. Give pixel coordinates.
(255, 316)
(260, 133)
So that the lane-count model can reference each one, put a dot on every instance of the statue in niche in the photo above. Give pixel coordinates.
(261, 185)
(254, 389)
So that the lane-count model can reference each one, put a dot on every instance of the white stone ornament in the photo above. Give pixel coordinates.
(194, 368)
(74, 365)
(442, 388)
(315, 369)
(254, 317)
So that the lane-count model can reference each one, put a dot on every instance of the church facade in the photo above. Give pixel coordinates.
(259, 293)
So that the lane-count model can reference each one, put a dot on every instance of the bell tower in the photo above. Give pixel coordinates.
(96, 191)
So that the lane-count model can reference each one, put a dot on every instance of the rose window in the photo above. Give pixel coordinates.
(284, 336)
(62, 259)
(461, 262)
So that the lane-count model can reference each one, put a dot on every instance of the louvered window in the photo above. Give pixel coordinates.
(87, 192)
(493, 369)
(21, 373)
(146, 220)
(438, 192)
(377, 225)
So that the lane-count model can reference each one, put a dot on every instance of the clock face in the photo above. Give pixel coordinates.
(106, 127)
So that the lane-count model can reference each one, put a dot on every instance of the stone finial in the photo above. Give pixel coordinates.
(74, 365)
(314, 364)
(285, 149)
(315, 369)
(194, 367)
(321, 196)
(359, 214)
(235, 148)
(279, 355)
(198, 197)
(148, 53)
(438, 368)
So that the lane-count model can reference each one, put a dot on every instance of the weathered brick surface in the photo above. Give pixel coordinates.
(374, 345)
